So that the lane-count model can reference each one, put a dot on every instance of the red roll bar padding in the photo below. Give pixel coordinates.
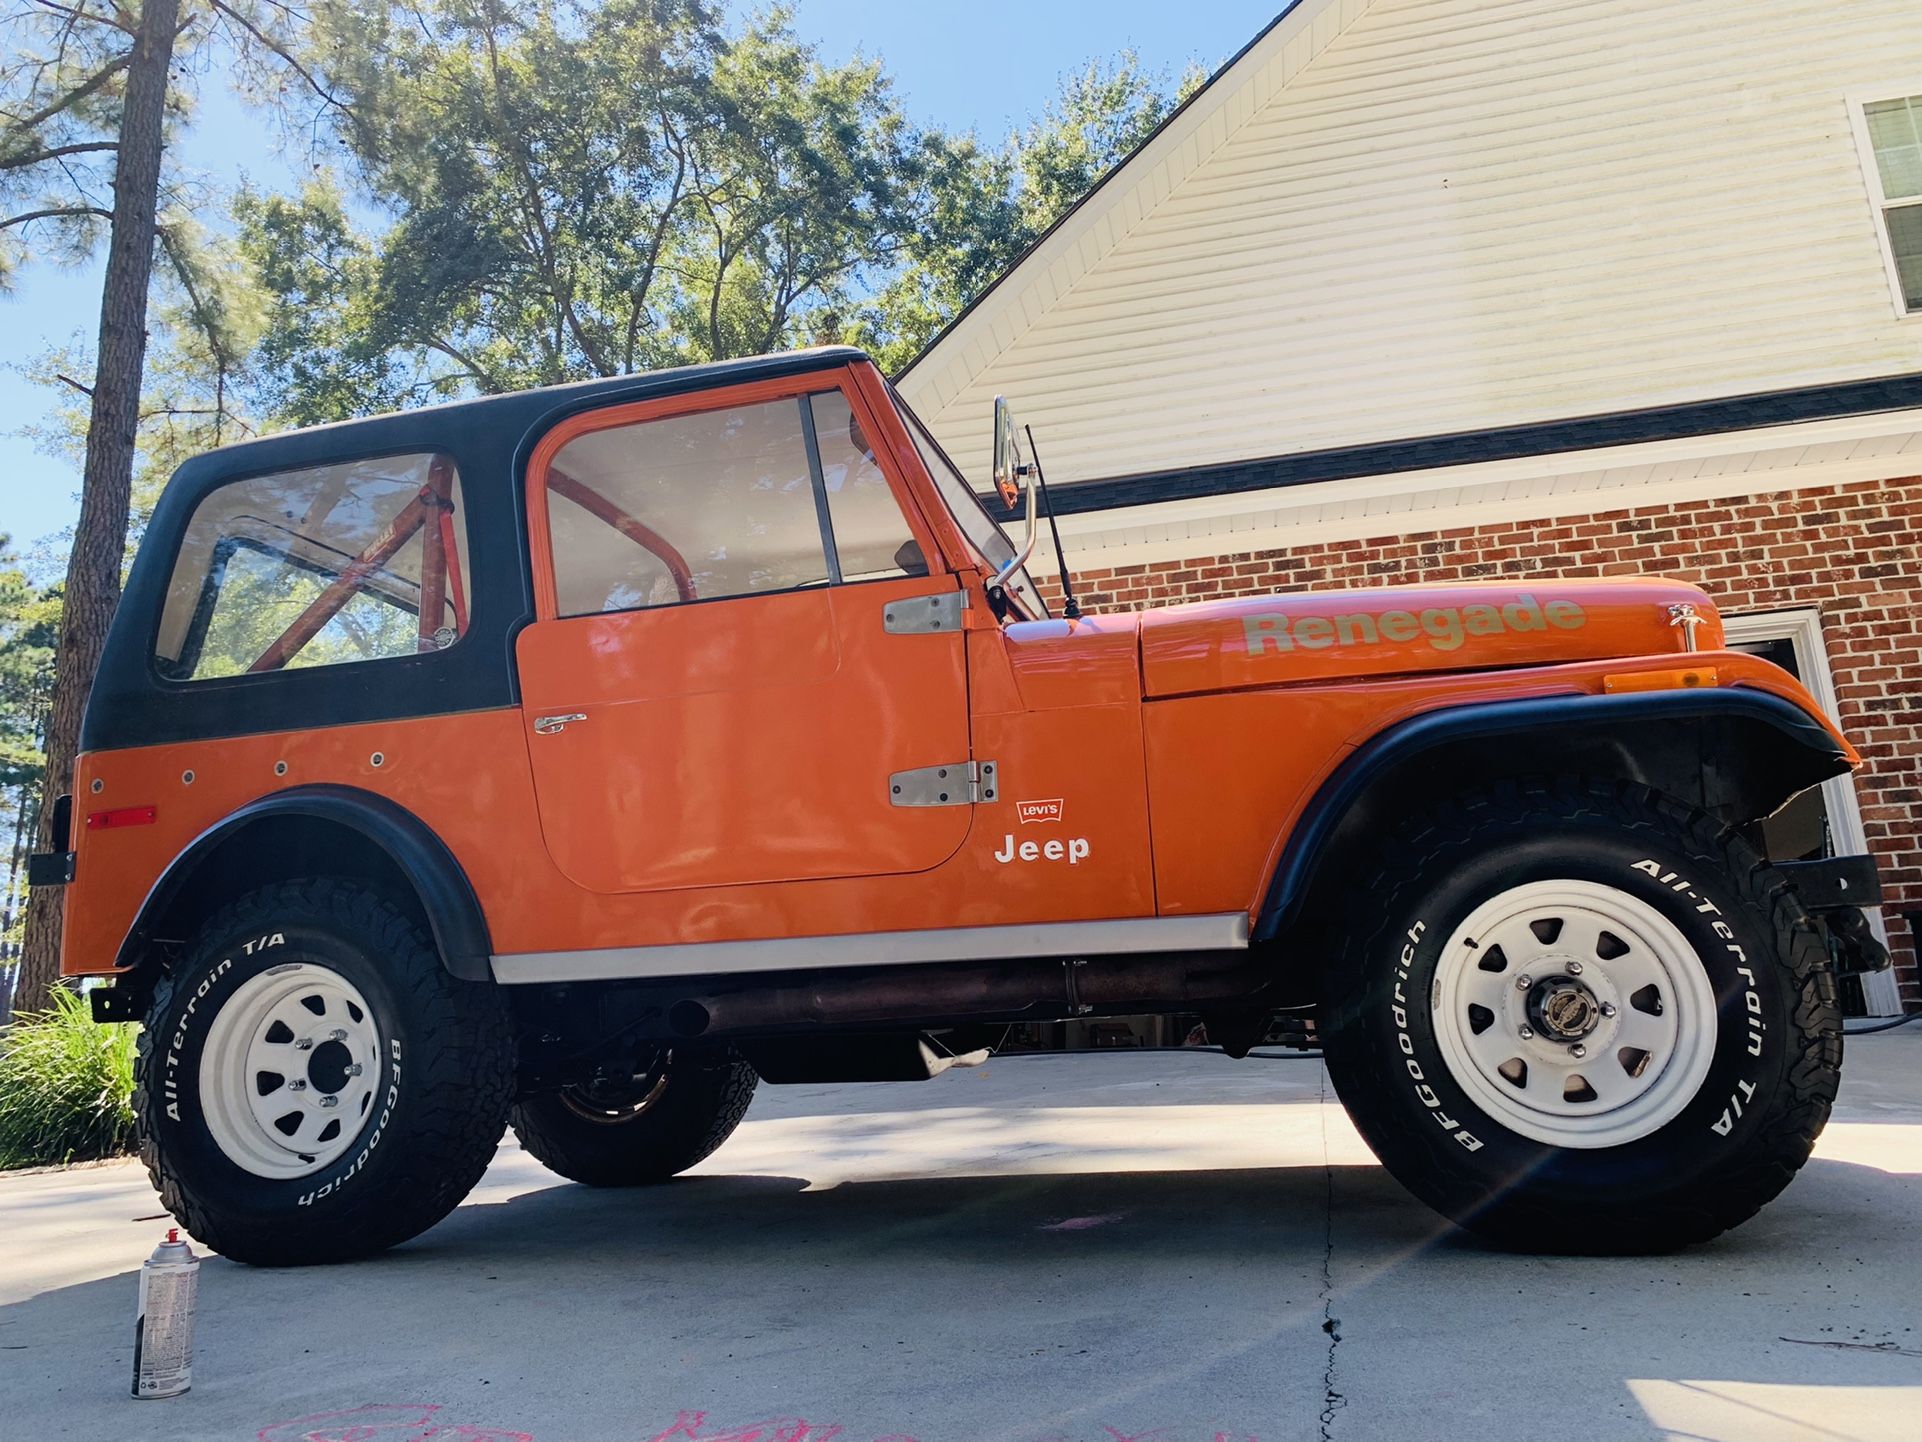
(324, 607)
(454, 582)
(597, 505)
(434, 550)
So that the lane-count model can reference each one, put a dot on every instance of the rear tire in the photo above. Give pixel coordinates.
(663, 1123)
(311, 1085)
(1582, 1017)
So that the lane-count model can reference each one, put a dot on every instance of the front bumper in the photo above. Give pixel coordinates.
(1834, 890)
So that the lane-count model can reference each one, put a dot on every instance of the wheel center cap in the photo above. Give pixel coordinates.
(327, 1067)
(1562, 1008)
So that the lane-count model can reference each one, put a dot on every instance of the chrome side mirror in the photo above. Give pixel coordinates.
(1008, 471)
(1011, 478)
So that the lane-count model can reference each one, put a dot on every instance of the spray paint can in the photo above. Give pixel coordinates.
(163, 1332)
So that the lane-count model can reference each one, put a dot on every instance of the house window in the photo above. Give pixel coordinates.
(1891, 136)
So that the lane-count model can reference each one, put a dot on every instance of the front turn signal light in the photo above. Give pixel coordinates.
(1687, 680)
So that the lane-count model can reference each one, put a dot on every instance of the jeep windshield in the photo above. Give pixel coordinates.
(990, 542)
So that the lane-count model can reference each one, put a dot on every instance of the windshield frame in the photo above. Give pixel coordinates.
(969, 514)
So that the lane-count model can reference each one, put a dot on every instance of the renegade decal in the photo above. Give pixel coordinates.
(1029, 811)
(1445, 628)
(1073, 851)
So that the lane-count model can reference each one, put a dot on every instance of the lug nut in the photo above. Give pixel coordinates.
(1528, 1033)
(1523, 983)
(1578, 1051)
(1574, 968)
(296, 1085)
(1608, 1008)
(330, 1101)
(304, 1043)
(339, 1033)
(353, 1068)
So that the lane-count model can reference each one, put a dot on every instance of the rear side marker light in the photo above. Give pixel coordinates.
(1689, 680)
(125, 816)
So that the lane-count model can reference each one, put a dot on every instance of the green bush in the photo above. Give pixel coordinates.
(66, 1086)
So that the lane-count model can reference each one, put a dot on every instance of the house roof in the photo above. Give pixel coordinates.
(1206, 94)
(1076, 241)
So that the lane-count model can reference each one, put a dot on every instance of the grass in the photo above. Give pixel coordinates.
(66, 1086)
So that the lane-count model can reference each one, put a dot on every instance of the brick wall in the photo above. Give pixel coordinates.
(1851, 551)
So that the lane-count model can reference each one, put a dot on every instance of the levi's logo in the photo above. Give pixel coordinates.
(1038, 810)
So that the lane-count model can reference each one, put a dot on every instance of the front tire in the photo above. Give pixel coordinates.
(311, 1085)
(1582, 1017)
(637, 1131)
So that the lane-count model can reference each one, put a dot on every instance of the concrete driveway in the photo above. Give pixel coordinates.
(1088, 1248)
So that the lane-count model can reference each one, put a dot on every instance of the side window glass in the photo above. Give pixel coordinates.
(318, 567)
(687, 508)
(871, 536)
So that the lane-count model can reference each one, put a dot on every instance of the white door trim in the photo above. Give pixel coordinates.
(1802, 628)
(1226, 931)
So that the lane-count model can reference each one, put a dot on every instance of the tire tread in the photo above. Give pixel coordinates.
(462, 1051)
(1694, 1213)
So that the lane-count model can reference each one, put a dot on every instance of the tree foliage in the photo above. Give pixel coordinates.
(585, 189)
(29, 620)
(576, 190)
(986, 207)
(29, 624)
(61, 80)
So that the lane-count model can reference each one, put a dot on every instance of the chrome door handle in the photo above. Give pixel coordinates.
(549, 725)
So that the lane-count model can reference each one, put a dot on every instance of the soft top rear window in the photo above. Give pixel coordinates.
(321, 566)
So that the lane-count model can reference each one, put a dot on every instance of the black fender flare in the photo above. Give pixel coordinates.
(446, 896)
(1803, 737)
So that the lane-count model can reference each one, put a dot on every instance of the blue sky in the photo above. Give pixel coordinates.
(986, 65)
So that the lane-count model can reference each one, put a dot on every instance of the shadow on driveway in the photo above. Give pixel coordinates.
(1069, 1307)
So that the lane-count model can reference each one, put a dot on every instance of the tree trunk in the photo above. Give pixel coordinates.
(100, 538)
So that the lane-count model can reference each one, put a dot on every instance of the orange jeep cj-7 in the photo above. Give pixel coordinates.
(579, 757)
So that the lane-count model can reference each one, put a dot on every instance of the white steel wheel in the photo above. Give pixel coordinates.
(288, 1076)
(1575, 1014)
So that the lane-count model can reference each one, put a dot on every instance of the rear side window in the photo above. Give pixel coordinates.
(323, 566)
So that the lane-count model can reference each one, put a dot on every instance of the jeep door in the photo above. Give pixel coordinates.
(714, 693)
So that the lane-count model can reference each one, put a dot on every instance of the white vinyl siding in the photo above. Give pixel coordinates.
(1892, 136)
(1406, 218)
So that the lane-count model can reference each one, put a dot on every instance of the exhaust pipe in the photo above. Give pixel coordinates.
(1058, 990)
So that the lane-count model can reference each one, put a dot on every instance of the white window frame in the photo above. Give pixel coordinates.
(1879, 204)
(1802, 628)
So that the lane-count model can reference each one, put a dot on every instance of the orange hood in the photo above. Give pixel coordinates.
(1328, 635)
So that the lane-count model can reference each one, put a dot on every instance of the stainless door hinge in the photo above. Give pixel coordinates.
(961, 784)
(920, 615)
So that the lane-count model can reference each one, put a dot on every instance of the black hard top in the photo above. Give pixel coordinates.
(520, 414)
(489, 438)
